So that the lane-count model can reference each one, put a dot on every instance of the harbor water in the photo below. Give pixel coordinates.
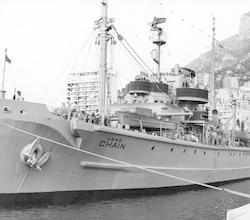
(196, 203)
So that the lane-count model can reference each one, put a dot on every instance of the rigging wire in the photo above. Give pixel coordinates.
(129, 54)
(120, 38)
(169, 53)
(113, 57)
(182, 19)
(192, 26)
(245, 195)
(82, 48)
(79, 51)
(88, 51)
(81, 18)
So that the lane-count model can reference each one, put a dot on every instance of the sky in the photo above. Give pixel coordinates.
(47, 40)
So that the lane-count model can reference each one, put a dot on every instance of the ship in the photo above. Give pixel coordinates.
(155, 138)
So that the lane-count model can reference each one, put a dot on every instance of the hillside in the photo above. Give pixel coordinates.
(232, 56)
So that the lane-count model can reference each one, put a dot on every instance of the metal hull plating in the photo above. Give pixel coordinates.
(104, 158)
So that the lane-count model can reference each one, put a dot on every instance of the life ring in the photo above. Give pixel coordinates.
(108, 122)
(72, 126)
(32, 155)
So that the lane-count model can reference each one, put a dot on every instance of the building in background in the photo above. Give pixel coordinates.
(230, 82)
(82, 91)
(224, 98)
(202, 79)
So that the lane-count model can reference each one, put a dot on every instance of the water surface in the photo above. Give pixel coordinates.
(195, 204)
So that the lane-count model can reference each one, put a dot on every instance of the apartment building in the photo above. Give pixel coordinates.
(82, 91)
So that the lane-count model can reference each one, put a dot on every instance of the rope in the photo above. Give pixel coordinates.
(132, 165)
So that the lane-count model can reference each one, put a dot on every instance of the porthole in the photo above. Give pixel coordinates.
(195, 152)
(172, 149)
(7, 110)
(204, 152)
(218, 153)
(184, 151)
(23, 112)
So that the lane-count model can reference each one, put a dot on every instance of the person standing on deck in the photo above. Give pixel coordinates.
(97, 117)
(19, 97)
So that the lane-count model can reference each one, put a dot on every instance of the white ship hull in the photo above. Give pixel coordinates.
(83, 164)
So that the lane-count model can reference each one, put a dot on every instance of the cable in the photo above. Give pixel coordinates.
(92, 33)
(112, 54)
(120, 38)
(66, 67)
(88, 51)
(182, 19)
(132, 165)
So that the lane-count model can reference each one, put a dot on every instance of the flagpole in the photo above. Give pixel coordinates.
(4, 69)
(2, 92)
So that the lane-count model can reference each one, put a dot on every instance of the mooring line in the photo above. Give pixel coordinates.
(135, 166)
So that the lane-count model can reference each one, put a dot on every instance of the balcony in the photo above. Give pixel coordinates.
(199, 96)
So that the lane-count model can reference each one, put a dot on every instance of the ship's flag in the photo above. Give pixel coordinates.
(7, 59)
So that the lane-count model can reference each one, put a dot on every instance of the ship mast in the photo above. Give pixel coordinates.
(104, 24)
(212, 69)
(159, 40)
(103, 60)
(2, 91)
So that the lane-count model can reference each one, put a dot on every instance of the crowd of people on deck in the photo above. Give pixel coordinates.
(217, 137)
(212, 137)
(94, 118)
